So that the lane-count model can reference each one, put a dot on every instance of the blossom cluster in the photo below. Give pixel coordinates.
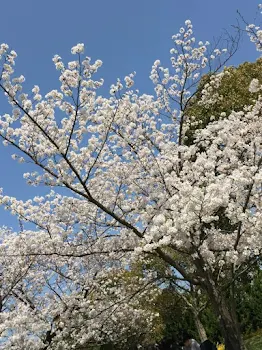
(124, 186)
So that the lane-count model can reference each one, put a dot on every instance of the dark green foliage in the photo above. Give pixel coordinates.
(235, 96)
(249, 303)
(175, 316)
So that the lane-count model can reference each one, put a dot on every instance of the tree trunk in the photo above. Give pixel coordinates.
(200, 327)
(228, 320)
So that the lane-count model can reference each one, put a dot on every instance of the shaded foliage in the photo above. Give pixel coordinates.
(234, 94)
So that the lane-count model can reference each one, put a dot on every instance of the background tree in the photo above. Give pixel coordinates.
(180, 304)
(231, 89)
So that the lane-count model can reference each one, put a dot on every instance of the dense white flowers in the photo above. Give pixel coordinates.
(254, 85)
(209, 92)
(131, 190)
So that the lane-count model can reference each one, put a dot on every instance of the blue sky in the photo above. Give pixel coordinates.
(126, 35)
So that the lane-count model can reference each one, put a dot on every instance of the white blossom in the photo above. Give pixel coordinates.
(254, 85)
(123, 186)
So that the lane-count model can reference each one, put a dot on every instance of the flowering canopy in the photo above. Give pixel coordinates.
(133, 189)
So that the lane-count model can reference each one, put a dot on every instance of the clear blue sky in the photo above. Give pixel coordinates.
(125, 35)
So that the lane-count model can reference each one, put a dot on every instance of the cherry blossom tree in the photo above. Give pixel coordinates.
(70, 302)
(124, 186)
